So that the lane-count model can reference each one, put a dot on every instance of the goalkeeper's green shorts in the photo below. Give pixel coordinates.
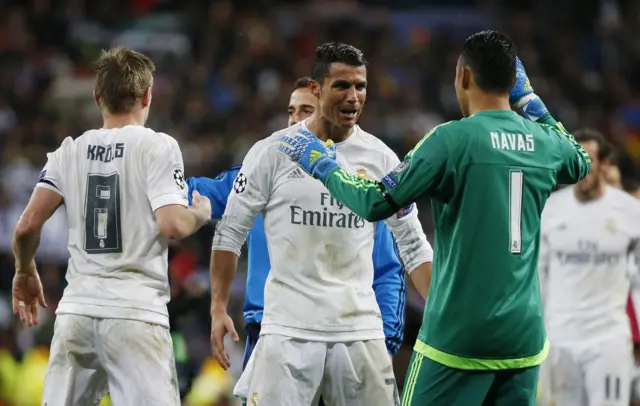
(429, 383)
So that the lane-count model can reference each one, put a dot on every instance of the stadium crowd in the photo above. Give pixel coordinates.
(225, 71)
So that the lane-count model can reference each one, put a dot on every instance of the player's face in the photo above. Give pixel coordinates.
(343, 94)
(596, 176)
(461, 84)
(302, 105)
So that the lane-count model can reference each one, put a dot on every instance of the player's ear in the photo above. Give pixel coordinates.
(95, 98)
(315, 88)
(465, 77)
(146, 97)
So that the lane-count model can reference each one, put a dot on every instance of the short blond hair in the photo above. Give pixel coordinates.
(122, 77)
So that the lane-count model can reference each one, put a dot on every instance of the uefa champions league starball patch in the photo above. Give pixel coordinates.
(240, 184)
(178, 176)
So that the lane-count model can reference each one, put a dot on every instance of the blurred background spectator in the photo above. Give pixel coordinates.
(224, 74)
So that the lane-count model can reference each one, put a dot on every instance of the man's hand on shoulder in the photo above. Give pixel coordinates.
(309, 152)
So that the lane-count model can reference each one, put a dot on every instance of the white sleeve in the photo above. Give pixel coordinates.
(250, 193)
(634, 251)
(165, 174)
(406, 228)
(51, 176)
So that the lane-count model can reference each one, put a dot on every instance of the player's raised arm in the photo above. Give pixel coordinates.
(575, 160)
(419, 173)
(217, 190)
(167, 192)
(251, 189)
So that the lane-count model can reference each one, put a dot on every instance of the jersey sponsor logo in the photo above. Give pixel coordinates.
(105, 153)
(42, 175)
(178, 177)
(296, 174)
(403, 212)
(240, 184)
(587, 253)
(389, 181)
(332, 215)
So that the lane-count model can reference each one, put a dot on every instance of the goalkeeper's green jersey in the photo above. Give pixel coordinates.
(488, 177)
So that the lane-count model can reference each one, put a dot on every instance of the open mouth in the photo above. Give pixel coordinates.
(349, 113)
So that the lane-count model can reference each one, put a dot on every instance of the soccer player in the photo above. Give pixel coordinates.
(321, 332)
(125, 196)
(488, 176)
(589, 231)
(389, 280)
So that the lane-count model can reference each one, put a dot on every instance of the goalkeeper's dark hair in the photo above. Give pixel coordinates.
(491, 56)
(301, 83)
(605, 151)
(335, 52)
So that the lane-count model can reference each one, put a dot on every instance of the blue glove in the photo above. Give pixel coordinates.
(523, 97)
(307, 150)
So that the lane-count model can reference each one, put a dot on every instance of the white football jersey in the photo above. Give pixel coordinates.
(320, 284)
(112, 181)
(588, 260)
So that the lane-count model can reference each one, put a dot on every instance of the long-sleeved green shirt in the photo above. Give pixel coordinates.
(489, 177)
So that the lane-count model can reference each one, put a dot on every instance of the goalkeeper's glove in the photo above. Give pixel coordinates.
(523, 97)
(310, 153)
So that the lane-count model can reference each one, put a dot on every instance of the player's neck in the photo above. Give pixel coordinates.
(324, 129)
(487, 102)
(111, 121)
(591, 194)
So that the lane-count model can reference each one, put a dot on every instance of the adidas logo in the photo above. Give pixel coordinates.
(315, 155)
(296, 174)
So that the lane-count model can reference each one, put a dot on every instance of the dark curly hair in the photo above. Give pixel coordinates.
(335, 52)
(491, 56)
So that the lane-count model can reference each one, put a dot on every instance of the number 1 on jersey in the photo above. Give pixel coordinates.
(516, 179)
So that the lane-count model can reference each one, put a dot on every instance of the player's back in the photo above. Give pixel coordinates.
(112, 181)
(485, 298)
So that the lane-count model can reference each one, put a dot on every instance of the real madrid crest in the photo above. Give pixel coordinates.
(610, 226)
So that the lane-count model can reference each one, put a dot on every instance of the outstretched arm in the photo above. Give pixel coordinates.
(422, 172)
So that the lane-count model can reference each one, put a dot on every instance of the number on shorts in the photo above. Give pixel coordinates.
(612, 387)
(103, 233)
(516, 181)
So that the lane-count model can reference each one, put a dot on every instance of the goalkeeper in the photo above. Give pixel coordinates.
(488, 175)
